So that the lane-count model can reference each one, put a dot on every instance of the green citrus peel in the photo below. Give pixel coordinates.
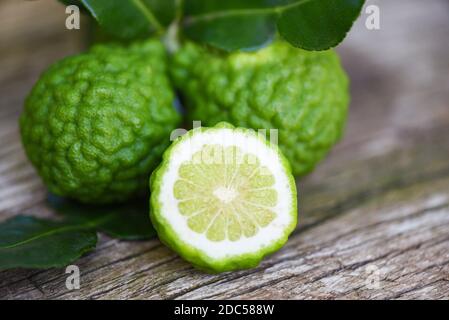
(96, 124)
(302, 94)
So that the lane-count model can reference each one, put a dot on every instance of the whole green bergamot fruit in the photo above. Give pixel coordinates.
(96, 124)
(303, 94)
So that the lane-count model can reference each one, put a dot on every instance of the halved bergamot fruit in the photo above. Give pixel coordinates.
(223, 198)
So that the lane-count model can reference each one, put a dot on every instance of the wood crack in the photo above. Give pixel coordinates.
(416, 288)
(102, 293)
(132, 256)
(359, 199)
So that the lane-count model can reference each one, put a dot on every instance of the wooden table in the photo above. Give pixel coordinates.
(376, 209)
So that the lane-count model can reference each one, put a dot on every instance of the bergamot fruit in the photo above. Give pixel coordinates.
(223, 198)
(303, 94)
(96, 124)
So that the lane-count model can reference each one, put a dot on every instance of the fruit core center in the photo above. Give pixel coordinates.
(225, 194)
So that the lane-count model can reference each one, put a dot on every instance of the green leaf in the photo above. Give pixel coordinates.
(164, 10)
(318, 25)
(29, 242)
(233, 24)
(233, 33)
(126, 19)
(129, 221)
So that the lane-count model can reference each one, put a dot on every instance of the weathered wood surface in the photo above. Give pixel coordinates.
(380, 201)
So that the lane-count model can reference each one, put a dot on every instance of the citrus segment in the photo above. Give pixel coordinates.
(224, 181)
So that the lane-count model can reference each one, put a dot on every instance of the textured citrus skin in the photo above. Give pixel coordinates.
(96, 124)
(196, 257)
(303, 94)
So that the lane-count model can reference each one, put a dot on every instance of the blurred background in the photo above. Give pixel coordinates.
(394, 155)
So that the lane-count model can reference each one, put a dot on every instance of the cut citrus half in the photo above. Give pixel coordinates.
(223, 198)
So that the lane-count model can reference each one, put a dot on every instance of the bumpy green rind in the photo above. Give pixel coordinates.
(196, 257)
(303, 94)
(96, 124)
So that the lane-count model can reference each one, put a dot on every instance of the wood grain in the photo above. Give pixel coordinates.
(376, 208)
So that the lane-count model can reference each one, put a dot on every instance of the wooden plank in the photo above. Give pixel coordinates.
(379, 202)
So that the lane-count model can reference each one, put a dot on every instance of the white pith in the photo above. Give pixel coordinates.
(267, 156)
(225, 194)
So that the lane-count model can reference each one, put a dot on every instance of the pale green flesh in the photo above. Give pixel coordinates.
(225, 193)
